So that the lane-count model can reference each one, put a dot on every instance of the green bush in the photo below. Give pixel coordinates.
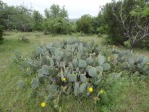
(102, 29)
(85, 24)
(57, 26)
(1, 33)
(78, 68)
(24, 38)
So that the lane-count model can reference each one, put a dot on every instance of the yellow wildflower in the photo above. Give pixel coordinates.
(64, 79)
(43, 104)
(90, 89)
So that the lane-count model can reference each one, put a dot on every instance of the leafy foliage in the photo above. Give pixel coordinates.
(1, 33)
(21, 22)
(57, 26)
(55, 11)
(37, 21)
(56, 21)
(24, 19)
(126, 22)
(2, 5)
(85, 24)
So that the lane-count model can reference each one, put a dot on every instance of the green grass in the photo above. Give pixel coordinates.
(126, 95)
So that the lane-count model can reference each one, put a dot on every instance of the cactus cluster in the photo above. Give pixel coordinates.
(74, 66)
(134, 63)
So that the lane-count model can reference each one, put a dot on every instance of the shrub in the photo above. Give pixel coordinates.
(1, 34)
(57, 26)
(23, 38)
(84, 24)
(102, 29)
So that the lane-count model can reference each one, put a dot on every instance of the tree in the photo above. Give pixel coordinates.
(56, 11)
(23, 20)
(127, 21)
(2, 14)
(1, 34)
(63, 13)
(19, 18)
(140, 30)
(47, 14)
(2, 7)
(57, 26)
(56, 21)
(85, 24)
(114, 29)
(37, 21)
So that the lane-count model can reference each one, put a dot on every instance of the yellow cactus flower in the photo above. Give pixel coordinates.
(64, 79)
(43, 104)
(90, 89)
(101, 91)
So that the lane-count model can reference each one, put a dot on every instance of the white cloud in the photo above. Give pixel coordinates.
(75, 8)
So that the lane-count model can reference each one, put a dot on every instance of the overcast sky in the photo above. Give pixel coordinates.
(75, 8)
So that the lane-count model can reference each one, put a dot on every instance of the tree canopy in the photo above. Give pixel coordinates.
(126, 21)
(56, 11)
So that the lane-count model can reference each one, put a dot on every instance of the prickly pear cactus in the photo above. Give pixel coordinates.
(75, 67)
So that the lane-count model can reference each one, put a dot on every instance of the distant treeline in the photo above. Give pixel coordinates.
(54, 21)
(125, 22)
